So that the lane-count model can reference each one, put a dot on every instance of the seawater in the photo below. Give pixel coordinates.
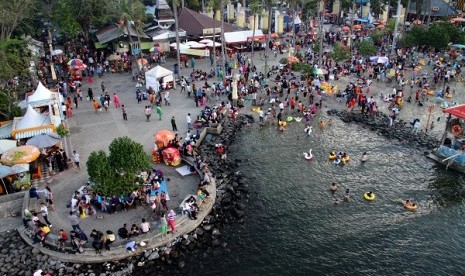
(293, 227)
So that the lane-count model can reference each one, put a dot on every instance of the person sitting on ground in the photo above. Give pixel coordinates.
(145, 226)
(123, 232)
(134, 231)
(129, 201)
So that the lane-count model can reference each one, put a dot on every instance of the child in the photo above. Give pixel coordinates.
(62, 239)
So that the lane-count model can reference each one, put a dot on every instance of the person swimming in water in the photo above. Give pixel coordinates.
(333, 188)
(364, 157)
(346, 195)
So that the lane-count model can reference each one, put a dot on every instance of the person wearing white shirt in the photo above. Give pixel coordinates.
(189, 121)
(144, 226)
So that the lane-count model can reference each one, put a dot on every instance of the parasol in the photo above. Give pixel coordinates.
(156, 49)
(77, 64)
(20, 155)
(206, 41)
(44, 140)
(57, 52)
(142, 62)
(7, 145)
(164, 136)
(210, 44)
(113, 57)
(5, 171)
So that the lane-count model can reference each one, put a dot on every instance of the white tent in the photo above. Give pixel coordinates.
(41, 94)
(153, 76)
(32, 119)
(241, 36)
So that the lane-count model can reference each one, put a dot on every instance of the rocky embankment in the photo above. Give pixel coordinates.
(20, 259)
(401, 130)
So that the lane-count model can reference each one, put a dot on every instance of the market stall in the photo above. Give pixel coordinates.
(159, 77)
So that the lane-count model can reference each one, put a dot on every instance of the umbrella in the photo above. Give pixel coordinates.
(206, 41)
(210, 44)
(292, 59)
(457, 19)
(122, 50)
(113, 57)
(181, 46)
(19, 168)
(156, 49)
(44, 140)
(164, 136)
(5, 171)
(142, 62)
(20, 155)
(7, 145)
(77, 64)
(57, 52)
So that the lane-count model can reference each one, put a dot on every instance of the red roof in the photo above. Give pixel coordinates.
(457, 111)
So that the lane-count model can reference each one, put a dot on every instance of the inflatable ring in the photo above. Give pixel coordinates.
(456, 129)
(430, 92)
(282, 123)
(332, 156)
(368, 197)
(289, 118)
(256, 109)
(298, 119)
(448, 95)
(411, 207)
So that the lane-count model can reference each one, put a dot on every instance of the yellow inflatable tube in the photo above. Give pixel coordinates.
(369, 196)
(332, 156)
(411, 207)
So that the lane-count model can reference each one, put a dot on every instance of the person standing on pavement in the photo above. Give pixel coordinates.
(173, 124)
(189, 121)
(159, 112)
(75, 157)
(44, 213)
(125, 112)
(102, 85)
(74, 221)
(148, 112)
(116, 100)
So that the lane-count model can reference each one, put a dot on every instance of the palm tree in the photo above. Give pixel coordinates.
(215, 6)
(223, 46)
(255, 9)
(269, 4)
(133, 11)
(176, 25)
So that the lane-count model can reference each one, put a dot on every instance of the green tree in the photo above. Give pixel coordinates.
(14, 62)
(99, 170)
(340, 52)
(366, 48)
(12, 13)
(63, 16)
(116, 173)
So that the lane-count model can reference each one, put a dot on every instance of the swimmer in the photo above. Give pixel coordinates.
(337, 161)
(308, 155)
(346, 195)
(364, 157)
(308, 130)
(337, 201)
(370, 194)
(333, 188)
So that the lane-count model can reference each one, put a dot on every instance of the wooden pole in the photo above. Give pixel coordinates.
(430, 111)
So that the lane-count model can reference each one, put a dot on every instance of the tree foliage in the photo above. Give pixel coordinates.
(437, 36)
(366, 48)
(340, 52)
(12, 13)
(14, 62)
(115, 173)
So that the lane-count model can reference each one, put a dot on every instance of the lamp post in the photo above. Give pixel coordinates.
(52, 66)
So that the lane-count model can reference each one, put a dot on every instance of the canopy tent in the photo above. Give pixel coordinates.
(153, 76)
(457, 111)
(41, 94)
(31, 124)
(241, 36)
